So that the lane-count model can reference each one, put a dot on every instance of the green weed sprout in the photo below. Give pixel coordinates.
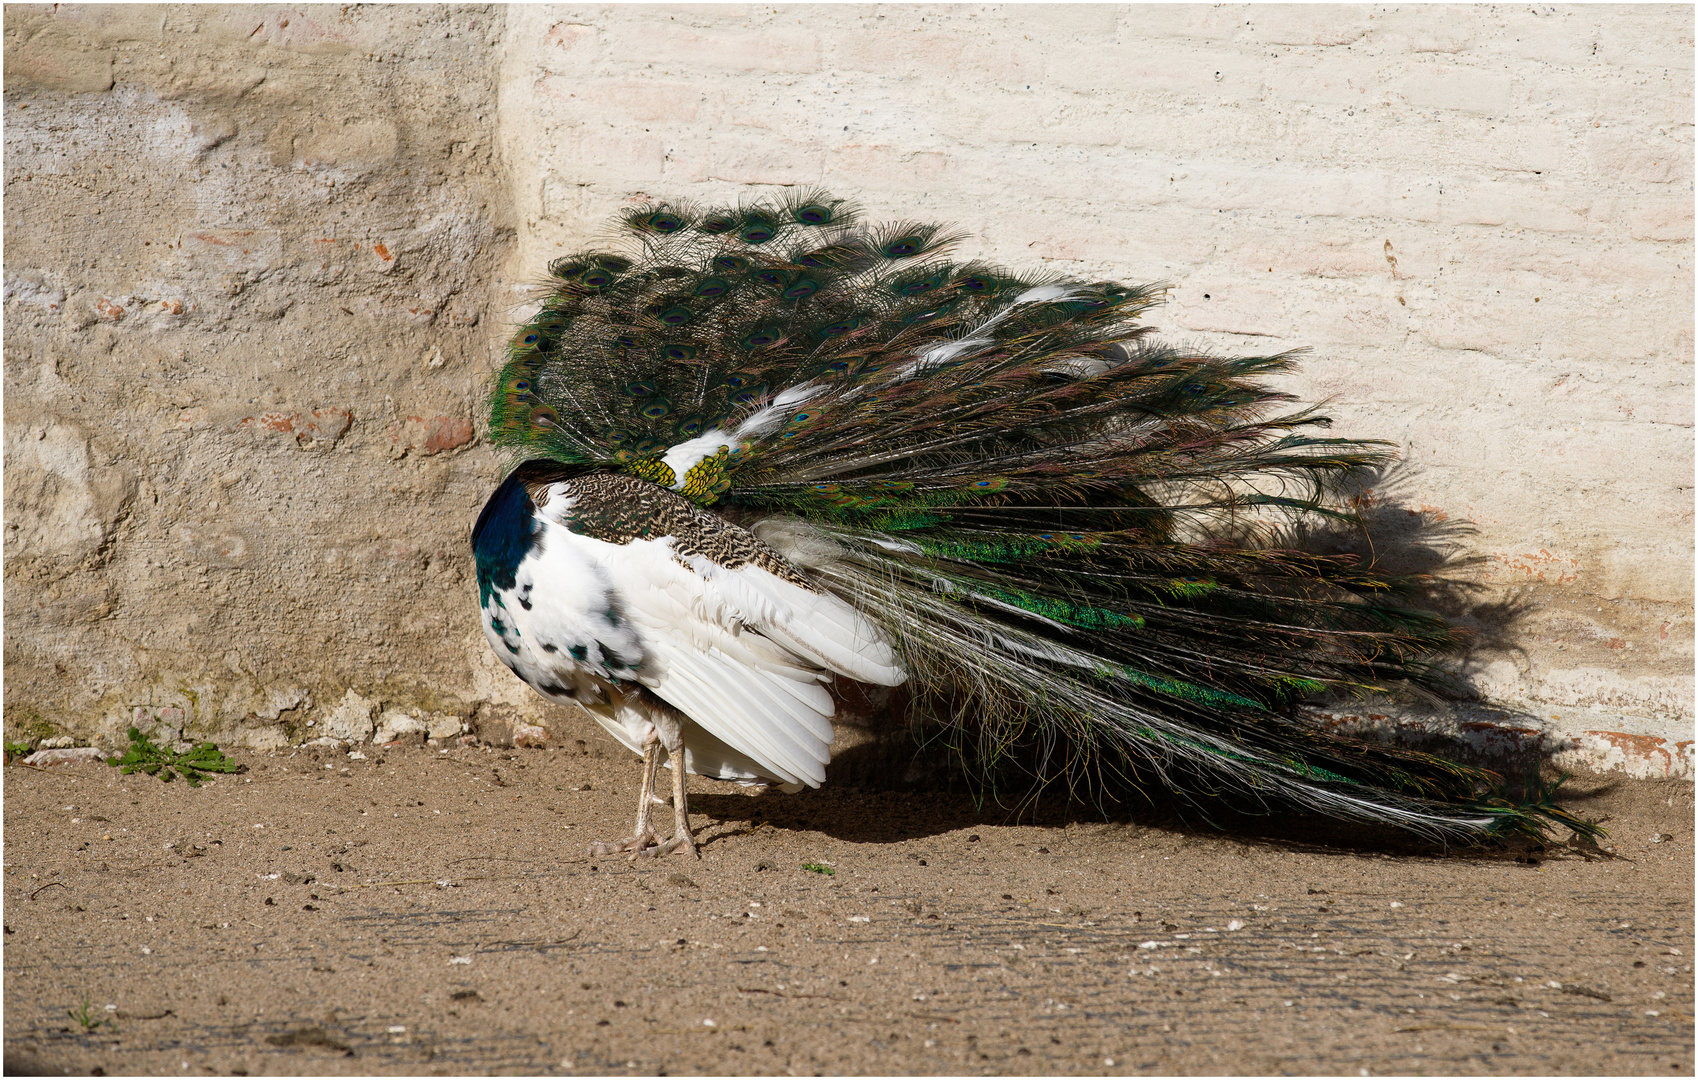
(144, 756)
(87, 1017)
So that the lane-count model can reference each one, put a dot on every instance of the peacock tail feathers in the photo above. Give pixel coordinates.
(1079, 540)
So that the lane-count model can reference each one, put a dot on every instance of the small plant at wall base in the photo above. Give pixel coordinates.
(87, 1017)
(16, 750)
(145, 756)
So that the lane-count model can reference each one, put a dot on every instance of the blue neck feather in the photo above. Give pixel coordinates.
(504, 535)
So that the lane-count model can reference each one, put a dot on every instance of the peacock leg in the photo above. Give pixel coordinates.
(642, 838)
(681, 840)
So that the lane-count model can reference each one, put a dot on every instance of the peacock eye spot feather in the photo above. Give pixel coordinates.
(649, 446)
(531, 338)
(734, 264)
(802, 289)
(902, 247)
(927, 315)
(1196, 388)
(627, 341)
(543, 416)
(595, 279)
(772, 277)
(639, 389)
(762, 338)
(678, 354)
(664, 222)
(758, 233)
(677, 316)
(840, 327)
(745, 398)
(618, 264)
(736, 382)
(713, 287)
(654, 410)
(813, 214)
(977, 283)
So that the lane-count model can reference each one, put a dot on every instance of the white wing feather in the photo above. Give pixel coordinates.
(738, 651)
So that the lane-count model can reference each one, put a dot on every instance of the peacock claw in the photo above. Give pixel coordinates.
(681, 844)
(636, 844)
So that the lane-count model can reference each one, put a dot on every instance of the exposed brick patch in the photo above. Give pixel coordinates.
(430, 435)
(317, 426)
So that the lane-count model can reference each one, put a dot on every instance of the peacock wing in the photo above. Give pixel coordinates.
(734, 637)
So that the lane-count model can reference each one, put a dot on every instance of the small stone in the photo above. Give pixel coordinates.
(65, 756)
(62, 742)
(530, 735)
(394, 726)
(445, 727)
(351, 718)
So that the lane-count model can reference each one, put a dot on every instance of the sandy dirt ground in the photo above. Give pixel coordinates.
(426, 912)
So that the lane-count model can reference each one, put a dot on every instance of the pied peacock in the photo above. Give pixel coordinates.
(768, 447)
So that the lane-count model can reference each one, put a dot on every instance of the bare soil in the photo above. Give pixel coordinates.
(433, 913)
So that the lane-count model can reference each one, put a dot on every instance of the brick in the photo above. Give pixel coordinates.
(1185, 21)
(1145, 68)
(1619, 155)
(880, 165)
(669, 46)
(748, 159)
(1308, 24)
(1231, 309)
(1457, 85)
(1648, 38)
(636, 99)
(1342, 79)
(1660, 219)
(619, 156)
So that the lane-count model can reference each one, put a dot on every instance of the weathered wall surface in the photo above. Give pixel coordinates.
(252, 271)
(1480, 220)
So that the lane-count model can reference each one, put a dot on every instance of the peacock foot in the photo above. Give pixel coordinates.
(638, 844)
(682, 843)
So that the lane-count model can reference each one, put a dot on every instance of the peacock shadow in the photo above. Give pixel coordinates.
(889, 782)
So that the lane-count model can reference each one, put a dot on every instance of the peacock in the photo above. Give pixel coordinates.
(760, 449)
